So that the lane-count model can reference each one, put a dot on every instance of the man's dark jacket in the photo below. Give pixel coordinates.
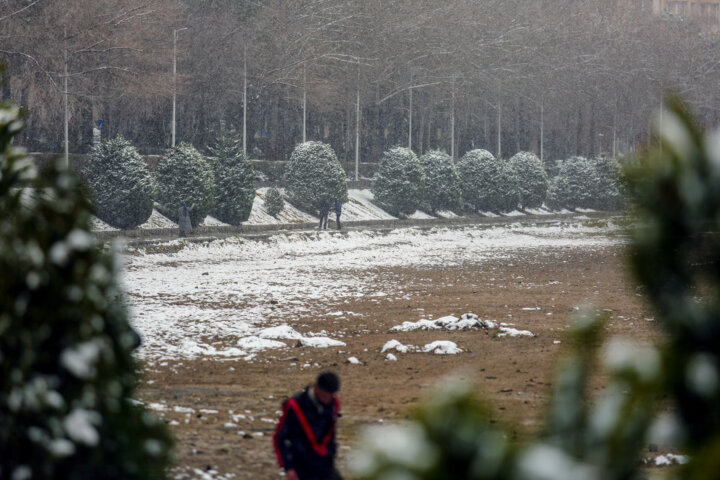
(294, 447)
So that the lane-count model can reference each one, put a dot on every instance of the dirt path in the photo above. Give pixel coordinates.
(538, 291)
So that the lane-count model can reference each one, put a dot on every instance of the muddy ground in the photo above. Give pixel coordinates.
(232, 437)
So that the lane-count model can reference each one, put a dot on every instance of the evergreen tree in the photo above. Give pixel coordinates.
(442, 182)
(608, 196)
(274, 201)
(183, 175)
(575, 185)
(314, 173)
(399, 183)
(119, 183)
(487, 183)
(234, 180)
(67, 374)
(532, 179)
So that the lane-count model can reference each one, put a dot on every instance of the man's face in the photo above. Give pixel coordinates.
(326, 398)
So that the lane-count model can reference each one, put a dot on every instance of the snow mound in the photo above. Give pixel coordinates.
(360, 206)
(283, 332)
(442, 347)
(320, 342)
(397, 346)
(420, 215)
(354, 361)
(446, 214)
(670, 459)
(211, 221)
(260, 216)
(391, 358)
(512, 332)
(257, 343)
(468, 321)
(158, 220)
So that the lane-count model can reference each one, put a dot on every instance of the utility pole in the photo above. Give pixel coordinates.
(304, 136)
(245, 101)
(542, 127)
(65, 101)
(357, 126)
(452, 123)
(499, 124)
(410, 116)
(174, 80)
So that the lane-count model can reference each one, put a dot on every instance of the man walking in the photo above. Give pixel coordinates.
(304, 439)
(338, 212)
(324, 210)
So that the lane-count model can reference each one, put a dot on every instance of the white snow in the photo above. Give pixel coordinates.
(282, 332)
(671, 459)
(202, 300)
(397, 346)
(467, 322)
(513, 332)
(257, 343)
(390, 358)
(211, 221)
(360, 206)
(80, 426)
(354, 361)
(320, 342)
(289, 214)
(420, 215)
(80, 360)
(442, 347)
(158, 220)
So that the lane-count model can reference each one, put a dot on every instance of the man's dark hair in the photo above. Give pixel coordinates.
(328, 381)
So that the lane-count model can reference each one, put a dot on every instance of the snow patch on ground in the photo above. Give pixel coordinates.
(442, 347)
(420, 215)
(468, 321)
(157, 220)
(202, 299)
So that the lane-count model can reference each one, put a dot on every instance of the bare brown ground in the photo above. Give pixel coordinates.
(513, 374)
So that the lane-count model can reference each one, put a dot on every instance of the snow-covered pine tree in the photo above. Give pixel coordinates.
(234, 180)
(183, 175)
(399, 182)
(67, 374)
(442, 182)
(532, 179)
(574, 186)
(274, 202)
(487, 184)
(120, 184)
(314, 172)
(608, 187)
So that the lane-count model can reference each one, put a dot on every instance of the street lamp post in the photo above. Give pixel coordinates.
(175, 32)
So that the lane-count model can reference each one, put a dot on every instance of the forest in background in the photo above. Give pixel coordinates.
(575, 76)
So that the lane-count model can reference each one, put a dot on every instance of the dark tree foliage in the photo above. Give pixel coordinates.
(575, 185)
(399, 184)
(183, 175)
(532, 179)
(442, 182)
(313, 173)
(67, 374)
(234, 180)
(274, 201)
(119, 183)
(675, 254)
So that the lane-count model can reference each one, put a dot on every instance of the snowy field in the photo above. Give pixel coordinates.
(232, 298)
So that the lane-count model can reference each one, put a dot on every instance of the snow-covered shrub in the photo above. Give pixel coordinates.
(183, 175)
(487, 183)
(234, 180)
(532, 179)
(67, 373)
(313, 173)
(442, 182)
(608, 194)
(574, 186)
(119, 184)
(399, 183)
(274, 202)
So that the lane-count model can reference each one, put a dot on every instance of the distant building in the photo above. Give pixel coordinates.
(708, 11)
